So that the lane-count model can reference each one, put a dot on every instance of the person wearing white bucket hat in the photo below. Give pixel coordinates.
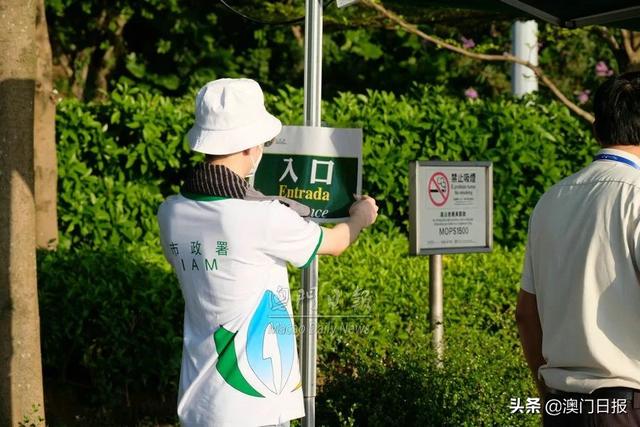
(229, 246)
(231, 117)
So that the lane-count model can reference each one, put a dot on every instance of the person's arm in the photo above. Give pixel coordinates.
(531, 335)
(335, 240)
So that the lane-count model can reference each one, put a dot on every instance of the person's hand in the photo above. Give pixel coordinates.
(364, 211)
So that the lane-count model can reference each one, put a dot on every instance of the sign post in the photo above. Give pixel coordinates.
(436, 298)
(312, 113)
(329, 164)
(312, 99)
(451, 211)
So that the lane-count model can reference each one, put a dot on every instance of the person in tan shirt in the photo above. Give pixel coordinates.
(578, 309)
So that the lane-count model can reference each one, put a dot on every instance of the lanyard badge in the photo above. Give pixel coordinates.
(615, 158)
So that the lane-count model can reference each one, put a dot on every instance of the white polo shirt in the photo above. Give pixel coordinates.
(582, 259)
(239, 361)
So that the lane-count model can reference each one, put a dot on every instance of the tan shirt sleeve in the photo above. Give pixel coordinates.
(527, 279)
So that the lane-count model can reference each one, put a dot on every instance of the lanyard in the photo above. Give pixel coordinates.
(620, 159)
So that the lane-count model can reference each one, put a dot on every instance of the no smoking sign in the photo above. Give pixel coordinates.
(439, 189)
(450, 207)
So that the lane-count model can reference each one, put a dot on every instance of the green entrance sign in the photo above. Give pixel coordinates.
(319, 167)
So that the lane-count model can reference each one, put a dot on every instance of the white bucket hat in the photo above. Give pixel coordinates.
(231, 117)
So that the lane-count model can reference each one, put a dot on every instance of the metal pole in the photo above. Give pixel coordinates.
(312, 62)
(435, 300)
(312, 97)
(524, 37)
(308, 340)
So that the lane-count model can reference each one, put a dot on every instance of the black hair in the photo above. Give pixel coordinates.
(617, 110)
(212, 157)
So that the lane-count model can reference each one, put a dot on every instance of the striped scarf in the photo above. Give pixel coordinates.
(215, 180)
(220, 181)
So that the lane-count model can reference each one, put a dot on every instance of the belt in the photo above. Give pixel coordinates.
(601, 393)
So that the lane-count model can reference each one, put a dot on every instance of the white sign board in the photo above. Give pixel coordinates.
(316, 166)
(451, 207)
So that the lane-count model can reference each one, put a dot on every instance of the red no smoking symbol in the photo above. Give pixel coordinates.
(439, 189)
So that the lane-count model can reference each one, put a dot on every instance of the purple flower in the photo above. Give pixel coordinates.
(471, 93)
(467, 43)
(602, 70)
(583, 96)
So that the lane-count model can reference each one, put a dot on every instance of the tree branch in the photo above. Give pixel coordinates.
(630, 42)
(610, 38)
(104, 61)
(618, 50)
(626, 38)
(506, 57)
(297, 33)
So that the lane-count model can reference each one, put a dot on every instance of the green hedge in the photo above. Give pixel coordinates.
(111, 324)
(111, 309)
(116, 160)
(119, 158)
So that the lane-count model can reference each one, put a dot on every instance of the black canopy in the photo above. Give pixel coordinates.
(570, 14)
